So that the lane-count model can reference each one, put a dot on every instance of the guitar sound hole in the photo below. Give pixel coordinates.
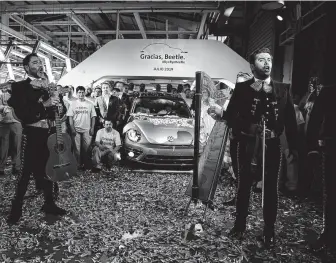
(59, 147)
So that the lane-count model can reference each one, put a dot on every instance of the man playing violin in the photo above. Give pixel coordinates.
(34, 106)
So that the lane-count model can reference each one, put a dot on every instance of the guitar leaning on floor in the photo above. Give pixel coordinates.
(62, 164)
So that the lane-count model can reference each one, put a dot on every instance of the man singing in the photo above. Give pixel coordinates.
(254, 101)
(35, 109)
(322, 118)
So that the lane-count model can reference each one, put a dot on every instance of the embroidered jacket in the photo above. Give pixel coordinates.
(247, 106)
(27, 103)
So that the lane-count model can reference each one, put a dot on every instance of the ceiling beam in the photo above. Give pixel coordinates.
(9, 66)
(32, 28)
(55, 23)
(176, 22)
(87, 30)
(126, 7)
(13, 32)
(140, 25)
(124, 32)
(201, 28)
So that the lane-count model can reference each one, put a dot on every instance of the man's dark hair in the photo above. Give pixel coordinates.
(27, 58)
(106, 83)
(131, 86)
(142, 87)
(116, 89)
(115, 84)
(80, 88)
(158, 87)
(253, 56)
(179, 88)
(186, 86)
(98, 88)
(169, 88)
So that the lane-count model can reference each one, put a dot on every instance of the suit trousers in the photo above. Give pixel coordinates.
(34, 157)
(82, 144)
(10, 132)
(329, 185)
(273, 163)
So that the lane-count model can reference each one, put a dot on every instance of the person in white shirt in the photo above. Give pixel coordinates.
(10, 135)
(106, 148)
(82, 121)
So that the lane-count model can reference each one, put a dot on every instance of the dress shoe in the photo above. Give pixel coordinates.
(237, 233)
(15, 213)
(53, 209)
(268, 238)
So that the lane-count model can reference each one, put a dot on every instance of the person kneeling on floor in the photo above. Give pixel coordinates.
(106, 149)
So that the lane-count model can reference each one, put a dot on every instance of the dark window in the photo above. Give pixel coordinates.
(158, 106)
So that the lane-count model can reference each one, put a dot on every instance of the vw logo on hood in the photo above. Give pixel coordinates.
(170, 138)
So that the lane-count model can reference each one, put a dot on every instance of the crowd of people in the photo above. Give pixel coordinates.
(94, 118)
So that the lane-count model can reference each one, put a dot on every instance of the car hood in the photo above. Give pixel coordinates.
(166, 130)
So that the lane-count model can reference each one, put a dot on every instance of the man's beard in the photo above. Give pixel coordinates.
(35, 74)
(260, 74)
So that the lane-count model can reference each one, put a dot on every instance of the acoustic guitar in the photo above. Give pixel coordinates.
(62, 164)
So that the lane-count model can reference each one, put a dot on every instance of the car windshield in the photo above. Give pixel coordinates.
(155, 106)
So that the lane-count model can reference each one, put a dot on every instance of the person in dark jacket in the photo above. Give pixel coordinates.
(34, 106)
(254, 102)
(321, 133)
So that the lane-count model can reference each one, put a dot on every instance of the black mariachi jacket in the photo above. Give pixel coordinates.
(247, 105)
(27, 103)
(322, 121)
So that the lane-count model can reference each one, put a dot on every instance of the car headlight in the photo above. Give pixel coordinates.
(133, 135)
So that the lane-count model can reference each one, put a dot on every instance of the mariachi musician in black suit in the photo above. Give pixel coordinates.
(34, 107)
(253, 101)
(321, 132)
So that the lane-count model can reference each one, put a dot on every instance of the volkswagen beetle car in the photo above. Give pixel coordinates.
(160, 131)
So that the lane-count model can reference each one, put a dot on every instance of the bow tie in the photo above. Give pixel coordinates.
(261, 84)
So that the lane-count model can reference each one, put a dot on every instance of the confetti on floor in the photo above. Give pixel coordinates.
(125, 216)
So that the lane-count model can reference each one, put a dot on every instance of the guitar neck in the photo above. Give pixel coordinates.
(58, 126)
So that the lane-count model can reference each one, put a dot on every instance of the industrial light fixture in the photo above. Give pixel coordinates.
(272, 5)
(279, 17)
